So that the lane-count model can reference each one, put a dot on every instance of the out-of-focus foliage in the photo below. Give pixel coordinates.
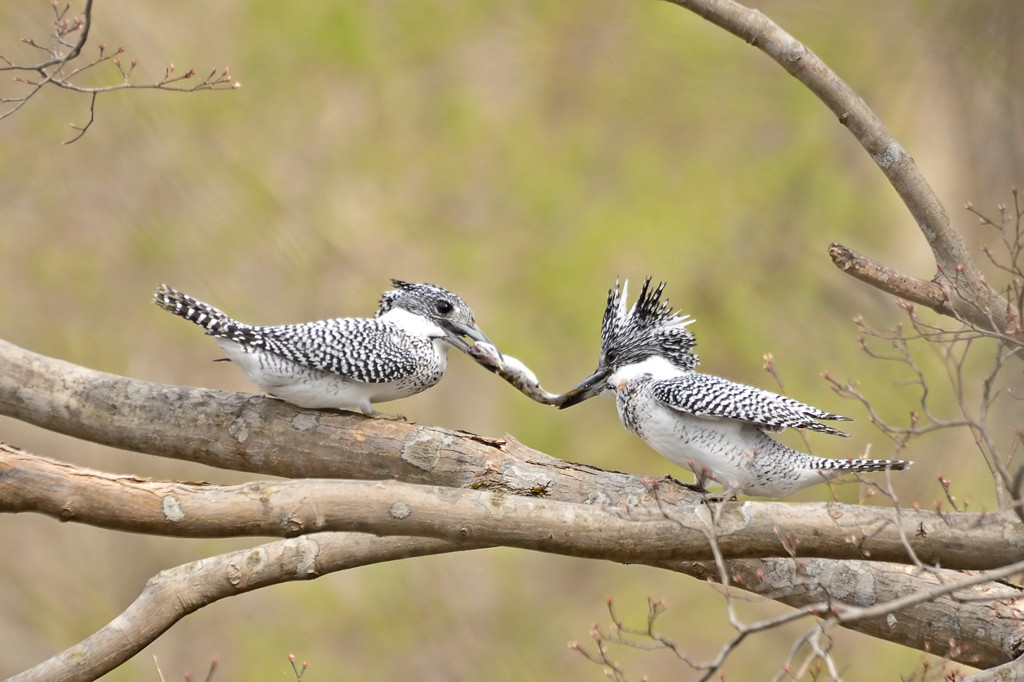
(524, 154)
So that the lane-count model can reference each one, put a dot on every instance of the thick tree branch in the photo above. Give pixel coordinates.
(172, 594)
(243, 432)
(967, 295)
(978, 624)
(255, 434)
(644, 531)
(982, 633)
(453, 490)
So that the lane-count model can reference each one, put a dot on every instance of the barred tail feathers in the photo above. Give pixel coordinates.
(864, 465)
(214, 321)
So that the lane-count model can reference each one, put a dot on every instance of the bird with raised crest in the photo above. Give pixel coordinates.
(345, 363)
(717, 428)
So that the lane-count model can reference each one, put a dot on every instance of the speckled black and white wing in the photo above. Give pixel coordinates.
(368, 350)
(705, 395)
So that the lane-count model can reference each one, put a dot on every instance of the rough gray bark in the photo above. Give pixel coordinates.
(861, 595)
(457, 474)
(438, 490)
(654, 523)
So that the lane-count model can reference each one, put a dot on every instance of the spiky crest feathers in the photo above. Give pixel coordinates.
(649, 328)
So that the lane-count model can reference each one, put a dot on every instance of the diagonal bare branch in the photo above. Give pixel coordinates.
(174, 593)
(967, 295)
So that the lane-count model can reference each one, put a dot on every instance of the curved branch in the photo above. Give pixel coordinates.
(174, 593)
(967, 295)
(251, 433)
(646, 530)
(978, 635)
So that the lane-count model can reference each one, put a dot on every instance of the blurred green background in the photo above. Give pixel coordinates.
(523, 154)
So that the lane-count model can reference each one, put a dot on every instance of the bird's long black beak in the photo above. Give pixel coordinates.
(593, 385)
(456, 330)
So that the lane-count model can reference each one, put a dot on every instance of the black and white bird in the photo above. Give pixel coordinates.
(346, 363)
(715, 427)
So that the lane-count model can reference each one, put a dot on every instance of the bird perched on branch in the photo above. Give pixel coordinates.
(715, 427)
(345, 363)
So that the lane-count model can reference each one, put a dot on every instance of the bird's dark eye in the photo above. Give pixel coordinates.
(443, 307)
(611, 356)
